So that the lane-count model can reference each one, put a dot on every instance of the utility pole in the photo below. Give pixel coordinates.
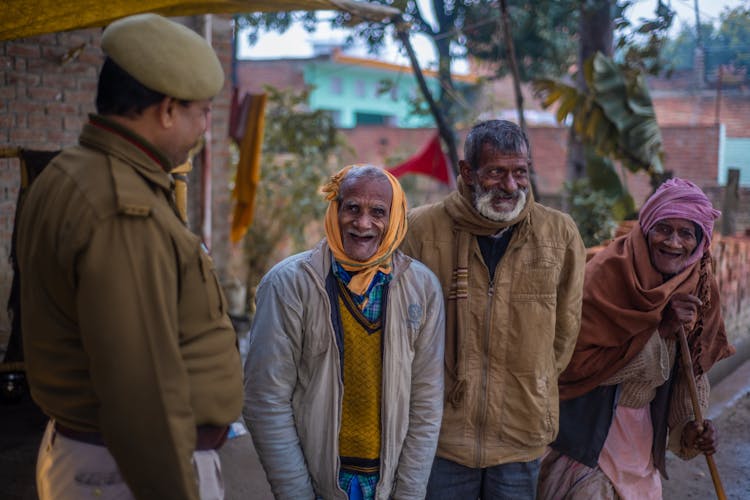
(698, 39)
(699, 58)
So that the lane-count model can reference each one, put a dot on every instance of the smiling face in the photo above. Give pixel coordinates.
(500, 182)
(364, 212)
(670, 244)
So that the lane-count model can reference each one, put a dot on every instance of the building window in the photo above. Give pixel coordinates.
(372, 119)
(360, 88)
(337, 85)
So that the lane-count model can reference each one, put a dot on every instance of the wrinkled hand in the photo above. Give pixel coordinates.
(682, 310)
(700, 437)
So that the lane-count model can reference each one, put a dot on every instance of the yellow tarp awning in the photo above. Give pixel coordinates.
(25, 18)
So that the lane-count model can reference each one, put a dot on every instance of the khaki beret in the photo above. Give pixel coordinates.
(164, 56)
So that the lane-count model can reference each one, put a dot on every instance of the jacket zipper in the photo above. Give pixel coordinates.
(322, 287)
(384, 389)
(482, 416)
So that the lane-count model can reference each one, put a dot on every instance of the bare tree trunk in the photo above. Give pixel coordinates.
(510, 48)
(597, 35)
(447, 96)
(445, 128)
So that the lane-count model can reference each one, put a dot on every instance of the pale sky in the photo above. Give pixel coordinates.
(298, 43)
(708, 10)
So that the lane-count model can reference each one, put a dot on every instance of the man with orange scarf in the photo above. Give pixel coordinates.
(344, 374)
(624, 396)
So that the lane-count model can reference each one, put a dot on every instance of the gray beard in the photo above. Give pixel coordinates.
(483, 204)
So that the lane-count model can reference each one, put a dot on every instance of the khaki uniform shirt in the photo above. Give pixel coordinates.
(124, 323)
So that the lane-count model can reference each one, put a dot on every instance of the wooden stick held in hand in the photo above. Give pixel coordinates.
(687, 364)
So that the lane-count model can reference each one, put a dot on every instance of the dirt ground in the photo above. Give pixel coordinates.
(692, 479)
(21, 426)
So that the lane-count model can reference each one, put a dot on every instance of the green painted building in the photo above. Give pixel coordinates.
(357, 91)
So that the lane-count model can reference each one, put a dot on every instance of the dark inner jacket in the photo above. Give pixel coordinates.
(493, 248)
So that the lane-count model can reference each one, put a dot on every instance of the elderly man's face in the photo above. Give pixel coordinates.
(500, 183)
(364, 212)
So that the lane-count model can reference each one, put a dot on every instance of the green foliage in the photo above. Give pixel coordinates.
(543, 34)
(591, 209)
(298, 146)
(615, 115)
(256, 22)
(639, 47)
(733, 38)
(680, 50)
(602, 177)
(727, 44)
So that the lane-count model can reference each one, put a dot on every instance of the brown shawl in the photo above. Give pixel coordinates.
(624, 300)
(467, 223)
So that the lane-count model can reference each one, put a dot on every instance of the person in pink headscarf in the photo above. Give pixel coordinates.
(624, 398)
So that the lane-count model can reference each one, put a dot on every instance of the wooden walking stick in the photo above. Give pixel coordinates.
(688, 366)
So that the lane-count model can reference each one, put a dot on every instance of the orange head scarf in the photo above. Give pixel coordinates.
(394, 235)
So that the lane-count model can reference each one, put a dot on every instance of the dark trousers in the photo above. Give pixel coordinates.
(511, 481)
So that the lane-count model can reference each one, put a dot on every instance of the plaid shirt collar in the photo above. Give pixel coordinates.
(374, 293)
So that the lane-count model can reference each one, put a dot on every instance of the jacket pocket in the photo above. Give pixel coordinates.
(536, 272)
(533, 422)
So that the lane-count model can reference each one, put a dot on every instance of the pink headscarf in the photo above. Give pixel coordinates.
(680, 199)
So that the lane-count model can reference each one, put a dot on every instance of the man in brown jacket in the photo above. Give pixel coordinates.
(128, 346)
(512, 274)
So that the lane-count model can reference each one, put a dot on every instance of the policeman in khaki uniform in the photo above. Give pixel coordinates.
(128, 346)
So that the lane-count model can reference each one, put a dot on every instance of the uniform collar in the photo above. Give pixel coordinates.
(117, 140)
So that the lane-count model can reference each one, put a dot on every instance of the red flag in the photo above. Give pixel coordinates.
(429, 161)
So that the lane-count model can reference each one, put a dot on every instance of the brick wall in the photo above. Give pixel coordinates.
(48, 84)
(252, 75)
(732, 256)
(47, 89)
(690, 152)
(699, 108)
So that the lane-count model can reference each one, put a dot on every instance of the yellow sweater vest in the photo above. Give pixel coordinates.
(359, 438)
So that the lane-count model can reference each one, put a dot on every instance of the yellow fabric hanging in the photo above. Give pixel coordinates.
(248, 167)
(179, 173)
